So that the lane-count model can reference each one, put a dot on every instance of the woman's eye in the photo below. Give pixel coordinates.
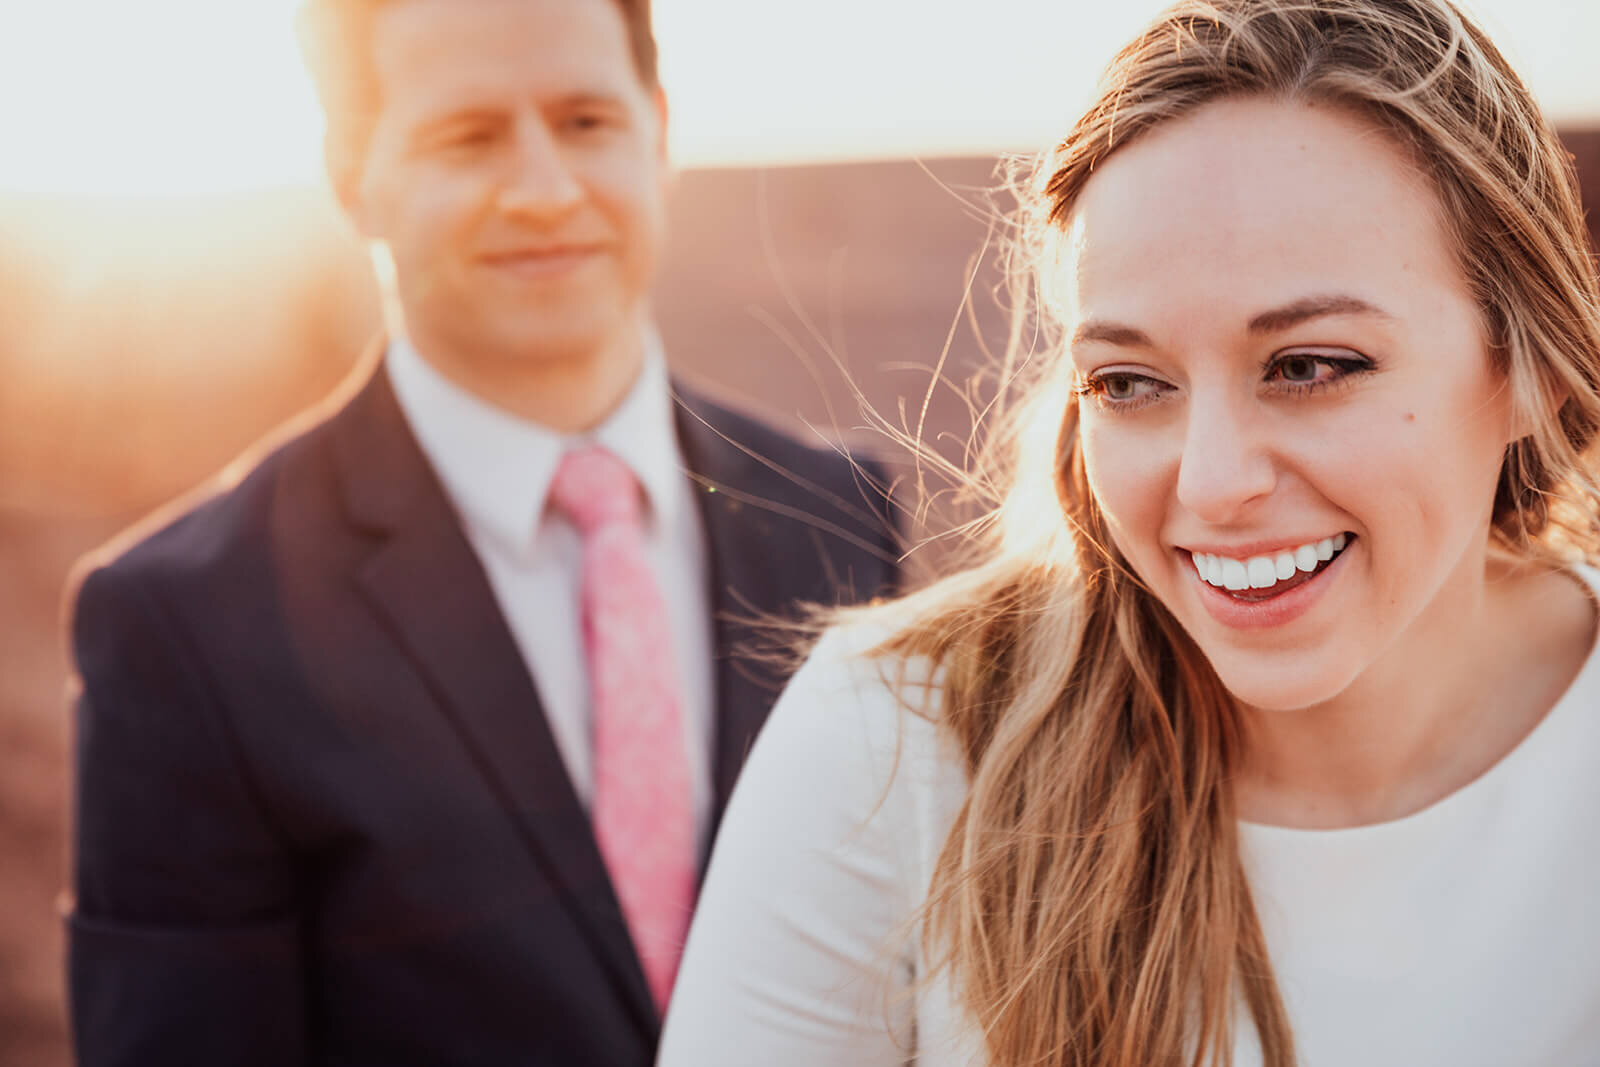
(1309, 370)
(1298, 369)
(1121, 389)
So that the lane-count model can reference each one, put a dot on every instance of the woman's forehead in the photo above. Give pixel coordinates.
(1251, 199)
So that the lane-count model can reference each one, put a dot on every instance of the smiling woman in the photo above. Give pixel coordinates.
(1272, 738)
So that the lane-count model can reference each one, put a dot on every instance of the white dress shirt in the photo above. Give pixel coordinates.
(496, 469)
(1466, 934)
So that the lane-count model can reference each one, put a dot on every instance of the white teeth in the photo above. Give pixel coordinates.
(1263, 572)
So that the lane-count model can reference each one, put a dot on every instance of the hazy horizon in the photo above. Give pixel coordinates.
(172, 97)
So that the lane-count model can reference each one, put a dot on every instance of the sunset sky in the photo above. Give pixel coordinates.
(178, 97)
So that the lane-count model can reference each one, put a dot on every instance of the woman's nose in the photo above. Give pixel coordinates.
(1225, 465)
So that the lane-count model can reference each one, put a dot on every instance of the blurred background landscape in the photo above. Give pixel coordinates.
(174, 283)
(132, 375)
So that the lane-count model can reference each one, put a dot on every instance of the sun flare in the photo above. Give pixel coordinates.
(168, 98)
(175, 98)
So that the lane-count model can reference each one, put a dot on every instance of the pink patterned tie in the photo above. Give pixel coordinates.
(643, 819)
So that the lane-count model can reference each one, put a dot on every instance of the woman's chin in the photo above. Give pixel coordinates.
(1289, 685)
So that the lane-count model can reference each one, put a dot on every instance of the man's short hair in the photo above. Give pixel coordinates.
(336, 40)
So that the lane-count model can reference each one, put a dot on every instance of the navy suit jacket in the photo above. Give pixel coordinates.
(320, 818)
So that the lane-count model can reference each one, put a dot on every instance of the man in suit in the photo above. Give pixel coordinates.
(409, 747)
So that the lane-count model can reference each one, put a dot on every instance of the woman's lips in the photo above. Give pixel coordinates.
(1267, 569)
(1284, 601)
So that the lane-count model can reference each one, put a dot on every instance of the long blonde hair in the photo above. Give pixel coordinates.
(1090, 899)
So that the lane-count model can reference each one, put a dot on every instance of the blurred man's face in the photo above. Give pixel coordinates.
(516, 174)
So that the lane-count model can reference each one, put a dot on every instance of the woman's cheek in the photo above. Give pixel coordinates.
(1123, 476)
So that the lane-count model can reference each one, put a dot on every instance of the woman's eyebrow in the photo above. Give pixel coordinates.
(1313, 307)
(1269, 321)
(1110, 333)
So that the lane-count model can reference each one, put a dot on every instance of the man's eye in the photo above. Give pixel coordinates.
(587, 121)
(469, 139)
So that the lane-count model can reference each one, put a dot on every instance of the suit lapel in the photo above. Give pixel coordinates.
(746, 585)
(426, 584)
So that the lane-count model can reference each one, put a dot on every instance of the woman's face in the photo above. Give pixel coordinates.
(1277, 356)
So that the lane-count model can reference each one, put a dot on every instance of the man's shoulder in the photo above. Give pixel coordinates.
(785, 494)
(227, 521)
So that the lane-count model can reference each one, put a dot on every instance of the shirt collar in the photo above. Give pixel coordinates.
(497, 467)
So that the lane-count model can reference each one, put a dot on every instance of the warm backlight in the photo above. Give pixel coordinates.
(169, 98)
(153, 98)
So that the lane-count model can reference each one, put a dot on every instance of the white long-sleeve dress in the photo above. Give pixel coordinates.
(1467, 934)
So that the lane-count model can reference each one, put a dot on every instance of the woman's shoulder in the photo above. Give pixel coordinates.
(856, 679)
(862, 654)
(805, 944)
(859, 719)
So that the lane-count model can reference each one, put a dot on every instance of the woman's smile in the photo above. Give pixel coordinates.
(1263, 576)
(1268, 589)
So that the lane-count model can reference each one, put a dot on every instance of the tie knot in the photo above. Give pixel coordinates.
(593, 487)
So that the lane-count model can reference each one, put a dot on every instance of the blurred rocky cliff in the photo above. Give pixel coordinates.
(143, 346)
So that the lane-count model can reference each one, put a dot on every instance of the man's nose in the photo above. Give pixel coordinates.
(541, 184)
(1226, 463)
